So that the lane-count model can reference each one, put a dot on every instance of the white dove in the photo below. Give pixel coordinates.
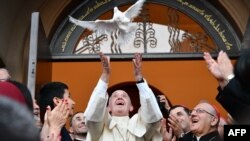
(120, 23)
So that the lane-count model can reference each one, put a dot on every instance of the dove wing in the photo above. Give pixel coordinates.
(84, 24)
(106, 26)
(101, 26)
(134, 10)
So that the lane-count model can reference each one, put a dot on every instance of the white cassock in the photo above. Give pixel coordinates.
(143, 126)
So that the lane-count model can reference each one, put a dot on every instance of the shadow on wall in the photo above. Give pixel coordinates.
(2, 65)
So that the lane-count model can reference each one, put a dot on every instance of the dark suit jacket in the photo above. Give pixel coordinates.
(187, 137)
(236, 100)
(65, 135)
(213, 136)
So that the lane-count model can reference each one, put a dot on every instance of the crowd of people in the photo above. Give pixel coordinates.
(108, 117)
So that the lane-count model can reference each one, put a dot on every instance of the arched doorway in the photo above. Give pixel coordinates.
(166, 29)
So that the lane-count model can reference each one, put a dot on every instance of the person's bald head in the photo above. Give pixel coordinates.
(4, 74)
(204, 119)
(120, 103)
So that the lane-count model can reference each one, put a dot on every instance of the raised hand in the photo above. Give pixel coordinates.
(54, 120)
(213, 66)
(221, 68)
(105, 60)
(137, 61)
(58, 116)
(175, 124)
(164, 99)
(225, 64)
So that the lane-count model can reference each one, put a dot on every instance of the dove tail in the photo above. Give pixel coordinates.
(73, 20)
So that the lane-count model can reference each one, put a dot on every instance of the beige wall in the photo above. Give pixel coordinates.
(239, 11)
(15, 21)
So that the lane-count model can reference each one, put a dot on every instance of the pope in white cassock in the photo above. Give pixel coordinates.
(112, 122)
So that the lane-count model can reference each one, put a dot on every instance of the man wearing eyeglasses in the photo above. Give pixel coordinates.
(204, 123)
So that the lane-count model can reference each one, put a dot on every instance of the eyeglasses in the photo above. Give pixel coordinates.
(200, 111)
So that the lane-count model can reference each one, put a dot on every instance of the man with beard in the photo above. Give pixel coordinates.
(77, 127)
(112, 122)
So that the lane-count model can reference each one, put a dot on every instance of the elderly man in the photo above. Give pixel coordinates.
(204, 122)
(112, 122)
(204, 125)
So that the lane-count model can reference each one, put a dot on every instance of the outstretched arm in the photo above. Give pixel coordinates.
(96, 110)
(149, 111)
(105, 67)
(137, 62)
(99, 98)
